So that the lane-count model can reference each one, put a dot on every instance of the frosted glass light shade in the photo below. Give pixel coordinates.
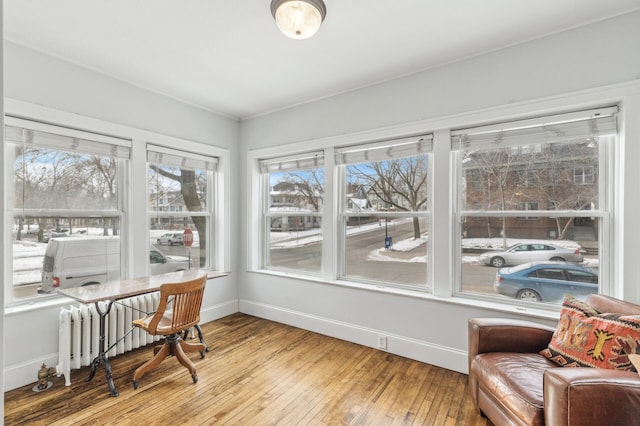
(298, 19)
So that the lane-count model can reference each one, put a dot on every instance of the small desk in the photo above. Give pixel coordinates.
(116, 290)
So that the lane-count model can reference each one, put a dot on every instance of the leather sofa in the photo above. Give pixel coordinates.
(512, 384)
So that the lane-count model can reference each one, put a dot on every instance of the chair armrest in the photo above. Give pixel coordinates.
(506, 335)
(582, 396)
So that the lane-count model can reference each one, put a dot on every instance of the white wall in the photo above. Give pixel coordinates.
(31, 332)
(588, 66)
(2, 216)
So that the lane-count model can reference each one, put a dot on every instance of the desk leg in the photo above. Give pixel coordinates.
(102, 355)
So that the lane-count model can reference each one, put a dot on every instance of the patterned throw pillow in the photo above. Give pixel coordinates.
(586, 338)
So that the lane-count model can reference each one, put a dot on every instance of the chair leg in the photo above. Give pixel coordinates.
(165, 351)
(193, 347)
(183, 359)
(185, 334)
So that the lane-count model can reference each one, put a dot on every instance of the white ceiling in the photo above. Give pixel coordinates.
(227, 56)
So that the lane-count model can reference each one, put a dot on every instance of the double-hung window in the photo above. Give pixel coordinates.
(384, 211)
(292, 205)
(566, 160)
(180, 209)
(67, 199)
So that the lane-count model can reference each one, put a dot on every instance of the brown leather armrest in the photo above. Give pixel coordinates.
(506, 335)
(583, 396)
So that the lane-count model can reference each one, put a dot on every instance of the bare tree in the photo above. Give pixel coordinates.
(399, 183)
(309, 184)
(495, 168)
(189, 185)
(511, 178)
(99, 185)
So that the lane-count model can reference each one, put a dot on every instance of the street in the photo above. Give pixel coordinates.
(359, 246)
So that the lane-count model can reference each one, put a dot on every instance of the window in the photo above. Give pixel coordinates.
(180, 197)
(556, 171)
(527, 205)
(67, 205)
(583, 175)
(293, 193)
(384, 211)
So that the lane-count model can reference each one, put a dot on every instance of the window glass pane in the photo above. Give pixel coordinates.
(293, 222)
(532, 256)
(552, 176)
(530, 260)
(167, 249)
(388, 185)
(385, 249)
(66, 211)
(178, 199)
(61, 252)
(295, 242)
(379, 247)
(47, 178)
(177, 189)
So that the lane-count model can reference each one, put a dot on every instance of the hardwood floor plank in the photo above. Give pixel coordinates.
(258, 372)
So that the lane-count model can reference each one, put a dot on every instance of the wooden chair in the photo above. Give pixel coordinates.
(185, 300)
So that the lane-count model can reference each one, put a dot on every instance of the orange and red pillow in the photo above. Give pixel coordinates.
(587, 338)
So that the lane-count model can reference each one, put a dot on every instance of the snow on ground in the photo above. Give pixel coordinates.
(298, 238)
(28, 254)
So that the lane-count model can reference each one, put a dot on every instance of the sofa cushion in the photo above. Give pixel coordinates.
(586, 338)
(513, 382)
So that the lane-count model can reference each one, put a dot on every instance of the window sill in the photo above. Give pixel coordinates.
(20, 307)
(547, 313)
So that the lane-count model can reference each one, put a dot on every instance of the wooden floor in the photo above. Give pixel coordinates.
(258, 373)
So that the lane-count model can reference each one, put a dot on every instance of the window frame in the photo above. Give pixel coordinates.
(119, 211)
(298, 161)
(343, 215)
(134, 228)
(606, 208)
(615, 230)
(210, 195)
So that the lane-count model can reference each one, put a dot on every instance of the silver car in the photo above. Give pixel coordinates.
(170, 238)
(531, 252)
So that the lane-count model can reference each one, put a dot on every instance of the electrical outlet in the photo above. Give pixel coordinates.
(382, 342)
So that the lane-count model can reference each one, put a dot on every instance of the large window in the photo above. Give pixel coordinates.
(514, 213)
(384, 207)
(555, 169)
(293, 192)
(89, 206)
(180, 199)
(67, 204)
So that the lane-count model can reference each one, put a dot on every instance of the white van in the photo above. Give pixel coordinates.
(78, 261)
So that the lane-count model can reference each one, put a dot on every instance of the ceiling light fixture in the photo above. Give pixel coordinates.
(298, 19)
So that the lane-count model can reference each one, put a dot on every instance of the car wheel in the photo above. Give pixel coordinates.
(159, 242)
(557, 259)
(497, 261)
(170, 242)
(528, 295)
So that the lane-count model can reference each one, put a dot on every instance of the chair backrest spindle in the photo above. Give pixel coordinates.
(185, 300)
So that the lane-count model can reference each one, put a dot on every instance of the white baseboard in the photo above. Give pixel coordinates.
(26, 372)
(427, 352)
(221, 310)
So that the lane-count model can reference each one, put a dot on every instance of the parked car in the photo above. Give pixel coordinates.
(170, 238)
(530, 252)
(161, 263)
(46, 238)
(546, 281)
